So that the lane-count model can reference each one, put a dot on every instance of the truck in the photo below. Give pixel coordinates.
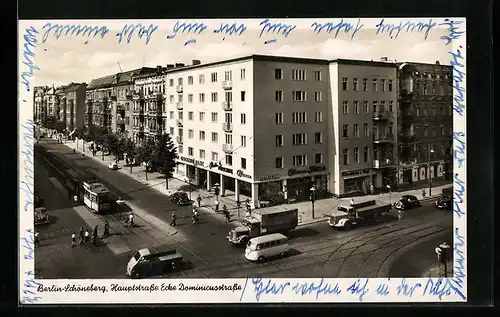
(347, 216)
(41, 216)
(264, 222)
(153, 261)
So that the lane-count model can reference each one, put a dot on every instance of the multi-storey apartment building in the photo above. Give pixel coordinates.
(72, 106)
(40, 109)
(98, 102)
(50, 101)
(362, 123)
(425, 121)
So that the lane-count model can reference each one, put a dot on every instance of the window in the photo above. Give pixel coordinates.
(190, 115)
(346, 157)
(242, 96)
(356, 155)
(365, 84)
(318, 116)
(181, 98)
(190, 98)
(433, 130)
(171, 82)
(215, 156)
(345, 128)
(202, 154)
(279, 140)
(202, 116)
(279, 162)
(214, 97)
(180, 81)
(318, 137)
(190, 80)
(201, 79)
(279, 95)
(278, 73)
(229, 160)
(299, 74)
(434, 111)
(365, 107)
(180, 148)
(318, 158)
(417, 130)
(356, 130)
(344, 84)
(355, 84)
(366, 132)
(171, 114)
(345, 107)
(243, 163)
(425, 130)
(317, 96)
(298, 95)
(375, 106)
(355, 106)
(390, 106)
(299, 139)
(299, 117)
(382, 84)
(190, 133)
(418, 111)
(442, 129)
(242, 74)
(374, 84)
(390, 85)
(190, 151)
(365, 154)
(317, 75)
(299, 160)
(382, 105)
(213, 77)
(171, 98)
(279, 117)
(171, 130)
(215, 137)
(228, 75)
(202, 135)
(229, 138)
(243, 141)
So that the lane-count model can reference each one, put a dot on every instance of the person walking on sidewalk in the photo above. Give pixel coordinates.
(95, 231)
(87, 238)
(37, 239)
(225, 213)
(106, 229)
(195, 217)
(75, 200)
(423, 193)
(216, 206)
(174, 218)
(199, 200)
(73, 240)
(131, 220)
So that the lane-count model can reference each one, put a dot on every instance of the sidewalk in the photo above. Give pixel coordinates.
(437, 270)
(321, 207)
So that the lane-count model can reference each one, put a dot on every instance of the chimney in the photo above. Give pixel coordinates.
(158, 69)
(384, 59)
(196, 62)
(169, 66)
(438, 63)
(179, 65)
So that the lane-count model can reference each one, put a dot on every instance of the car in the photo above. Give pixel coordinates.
(113, 166)
(445, 202)
(407, 202)
(180, 198)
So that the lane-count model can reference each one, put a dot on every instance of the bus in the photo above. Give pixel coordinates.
(97, 197)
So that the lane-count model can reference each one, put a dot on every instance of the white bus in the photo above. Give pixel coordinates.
(96, 197)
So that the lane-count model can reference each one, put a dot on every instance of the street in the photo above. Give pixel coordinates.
(317, 249)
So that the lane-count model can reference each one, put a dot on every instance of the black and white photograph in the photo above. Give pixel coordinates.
(237, 149)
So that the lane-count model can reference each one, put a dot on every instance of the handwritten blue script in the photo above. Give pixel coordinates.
(337, 28)
(142, 31)
(263, 288)
(278, 28)
(321, 288)
(76, 30)
(393, 30)
(459, 148)
(457, 61)
(441, 287)
(405, 289)
(30, 43)
(357, 289)
(28, 244)
(453, 32)
(227, 29)
(29, 286)
(459, 267)
(27, 183)
(382, 289)
(194, 28)
(458, 197)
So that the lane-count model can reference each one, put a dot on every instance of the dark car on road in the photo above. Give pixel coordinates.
(445, 202)
(180, 198)
(407, 202)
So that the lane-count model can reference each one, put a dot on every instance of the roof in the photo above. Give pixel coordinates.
(102, 82)
(118, 78)
(275, 211)
(363, 63)
(268, 237)
(73, 86)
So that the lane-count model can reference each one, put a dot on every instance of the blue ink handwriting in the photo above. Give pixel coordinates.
(28, 243)
(86, 30)
(244, 289)
(191, 41)
(270, 41)
(458, 197)
(195, 28)
(356, 288)
(227, 29)
(458, 78)
(459, 149)
(459, 267)
(407, 290)
(30, 43)
(331, 26)
(382, 289)
(278, 28)
(27, 183)
(269, 288)
(142, 30)
(322, 287)
(452, 29)
(441, 287)
(30, 284)
(407, 26)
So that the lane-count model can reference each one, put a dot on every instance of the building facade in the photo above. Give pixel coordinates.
(425, 122)
(72, 105)
(362, 125)
(51, 101)
(40, 109)
(98, 102)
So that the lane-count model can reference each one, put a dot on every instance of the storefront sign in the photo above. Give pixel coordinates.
(225, 169)
(269, 177)
(354, 173)
(312, 169)
(241, 174)
(191, 161)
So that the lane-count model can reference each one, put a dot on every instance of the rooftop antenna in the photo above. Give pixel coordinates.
(120, 67)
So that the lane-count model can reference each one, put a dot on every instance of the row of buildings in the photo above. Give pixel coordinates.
(267, 126)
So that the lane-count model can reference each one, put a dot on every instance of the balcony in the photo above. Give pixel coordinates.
(155, 95)
(138, 128)
(383, 138)
(227, 105)
(227, 126)
(179, 123)
(138, 111)
(381, 115)
(179, 139)
(153, 128)
(179, 105)
(113, 97)
(179, 88)
(129, 95)
(152, 111)
(227, 84)
(381, 163)
(138, 95)
(228, 148)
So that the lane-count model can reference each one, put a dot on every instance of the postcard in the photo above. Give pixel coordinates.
(266, 160)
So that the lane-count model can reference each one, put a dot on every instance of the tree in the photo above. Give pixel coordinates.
(145, 154)
(59, 126)
(117, 147)
(49, 122)
(131, 150)
(165, 156)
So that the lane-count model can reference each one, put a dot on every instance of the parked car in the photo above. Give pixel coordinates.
(113, 166)
(445, 202)
(407, 202)
(180, 198)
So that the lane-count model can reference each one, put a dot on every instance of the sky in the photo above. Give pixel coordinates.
(74, 58)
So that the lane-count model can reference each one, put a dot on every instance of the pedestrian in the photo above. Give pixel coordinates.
(216, 206)
(199, 200)
(94, 239)
(106, 229)
(75, 200)
(174, 218)
(81, 235)
(95, 231)
(73, 240)
(226, 216)
(131, 220)
(400, 215)
(87, 238)
(195, 218)
(352, 201)
(37, 239)
(423, 193)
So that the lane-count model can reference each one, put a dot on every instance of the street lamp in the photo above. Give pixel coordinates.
(312, 198)
(430, 175)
